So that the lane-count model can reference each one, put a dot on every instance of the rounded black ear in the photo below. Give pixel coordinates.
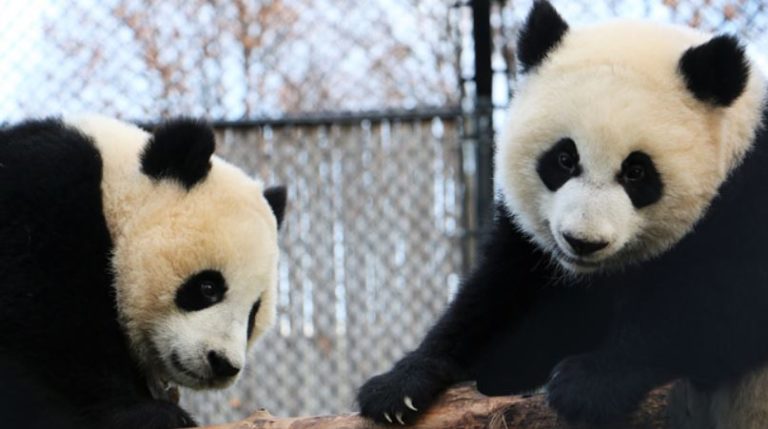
(716, 72)
(179, 149)
(277, 197)
(542, 31)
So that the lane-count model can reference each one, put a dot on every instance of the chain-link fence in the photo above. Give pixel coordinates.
(375, 236)
(371, 253)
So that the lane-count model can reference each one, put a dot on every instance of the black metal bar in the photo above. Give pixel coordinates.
(337, 118)
(481, 31)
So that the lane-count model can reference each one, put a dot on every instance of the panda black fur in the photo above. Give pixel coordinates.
(72, 347)
(629, 240)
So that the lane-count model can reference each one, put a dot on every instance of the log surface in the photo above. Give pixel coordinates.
(463, 407)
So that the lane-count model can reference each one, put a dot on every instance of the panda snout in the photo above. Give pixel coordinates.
(582, 247)
(221, 367)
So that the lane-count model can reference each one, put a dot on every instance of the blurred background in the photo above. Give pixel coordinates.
(378, 115)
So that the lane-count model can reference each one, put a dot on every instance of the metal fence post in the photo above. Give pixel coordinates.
(481, 29)
(478, 134)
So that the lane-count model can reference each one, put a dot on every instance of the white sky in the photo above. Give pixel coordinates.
(20, 39)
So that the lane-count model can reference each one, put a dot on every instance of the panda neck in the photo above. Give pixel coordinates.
(741, 122)
(124, 188)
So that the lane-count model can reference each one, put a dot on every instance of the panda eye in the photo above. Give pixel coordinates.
(634, 173)
(566, 161)
(640, 179)
(201, 291)
(209, 291)
(252, 317)
(559, 164)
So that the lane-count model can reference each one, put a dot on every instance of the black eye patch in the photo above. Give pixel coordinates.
(557, 165)
(201, 291)
(640, 179)
(252, 317)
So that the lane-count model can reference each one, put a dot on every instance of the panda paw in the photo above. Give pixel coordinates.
(586, 389)
(401, 395)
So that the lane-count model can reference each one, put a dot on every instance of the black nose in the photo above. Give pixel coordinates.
(584, 247)
(221, 366)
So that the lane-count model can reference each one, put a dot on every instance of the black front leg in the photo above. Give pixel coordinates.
(602, 387)
(499, 290)
(402, 394)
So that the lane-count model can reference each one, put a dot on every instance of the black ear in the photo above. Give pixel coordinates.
(179, 149)
(277, 196)
(542, 31)
(717, 71)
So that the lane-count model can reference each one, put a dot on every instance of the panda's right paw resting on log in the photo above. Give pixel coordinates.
(400, 396)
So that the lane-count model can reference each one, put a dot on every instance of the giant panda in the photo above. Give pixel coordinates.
(628, 247)
(130, 263)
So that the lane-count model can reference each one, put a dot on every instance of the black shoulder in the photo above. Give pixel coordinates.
(46, 153)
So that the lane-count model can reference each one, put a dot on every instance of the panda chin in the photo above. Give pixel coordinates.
(185, 373)
(576, 265)
(176, 372)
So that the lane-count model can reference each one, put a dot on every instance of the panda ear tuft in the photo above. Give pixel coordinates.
(181, 150)
(541, 32)
(717, 71)
(277, 197)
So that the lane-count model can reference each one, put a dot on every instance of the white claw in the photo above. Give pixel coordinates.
(399, 417)
(389, 419)
(409, 403)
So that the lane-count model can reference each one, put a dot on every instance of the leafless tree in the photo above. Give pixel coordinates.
(245, 58)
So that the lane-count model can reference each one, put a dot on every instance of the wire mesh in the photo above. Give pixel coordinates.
(370, 255)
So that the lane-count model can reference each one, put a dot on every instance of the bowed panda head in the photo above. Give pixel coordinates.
(194, 249)
(620, 135)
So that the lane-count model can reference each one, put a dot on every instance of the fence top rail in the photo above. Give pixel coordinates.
(336, 118)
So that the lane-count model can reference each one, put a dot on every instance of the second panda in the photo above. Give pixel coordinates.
(628, 248)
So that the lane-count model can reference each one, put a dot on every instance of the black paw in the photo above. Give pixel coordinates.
(401, 395)
(584, 389)
(148, 415)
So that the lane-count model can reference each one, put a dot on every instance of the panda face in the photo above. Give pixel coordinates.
(602, 170)
(196, 276)
(594, 215)
(194, 250)
(620, 135)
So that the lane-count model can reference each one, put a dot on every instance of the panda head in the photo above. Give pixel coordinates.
(620, 135)
(194, 249)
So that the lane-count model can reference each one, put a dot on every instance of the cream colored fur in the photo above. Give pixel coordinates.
(614, 88)
(163, 234)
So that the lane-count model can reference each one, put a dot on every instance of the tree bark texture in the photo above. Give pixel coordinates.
(463, 407)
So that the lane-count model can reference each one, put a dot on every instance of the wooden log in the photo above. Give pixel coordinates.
(463, 407)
